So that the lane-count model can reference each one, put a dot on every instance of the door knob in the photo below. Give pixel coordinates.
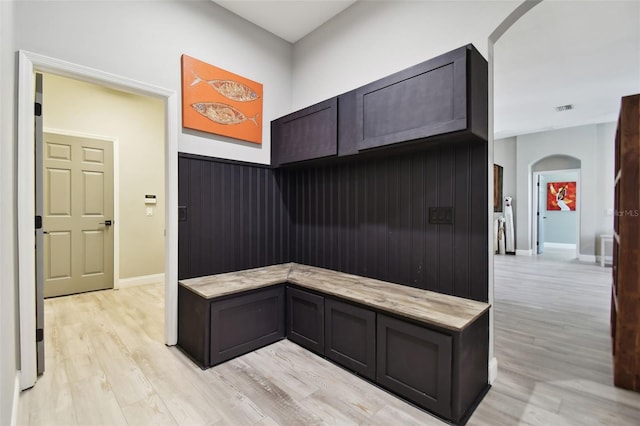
(106, 223)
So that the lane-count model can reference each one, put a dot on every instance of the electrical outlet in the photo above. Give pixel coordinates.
(149, 211)
(441, 215)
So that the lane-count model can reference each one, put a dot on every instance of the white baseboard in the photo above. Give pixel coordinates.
(560, 245)
(608, 260)
(16, 397)
(524, 252)
(587, 258)
(493, 370)
(141, 280)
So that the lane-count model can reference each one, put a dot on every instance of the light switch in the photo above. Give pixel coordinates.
(149, 211)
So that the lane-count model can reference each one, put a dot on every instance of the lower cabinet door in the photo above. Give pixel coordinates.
(246, 322)
(350, 337)
(305, 319)
(415, 362)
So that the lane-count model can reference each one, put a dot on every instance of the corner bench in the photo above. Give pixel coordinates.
(428, 348)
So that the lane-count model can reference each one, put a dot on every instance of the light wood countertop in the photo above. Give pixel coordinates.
(450, 312)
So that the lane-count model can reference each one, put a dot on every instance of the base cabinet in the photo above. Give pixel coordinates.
(245, 323)
(415, 362)
(350, 338)
(305, 319)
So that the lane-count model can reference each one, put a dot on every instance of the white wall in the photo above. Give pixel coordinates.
(9, 360)
(372, 39)
(140, 40)
(137, 122)
(144, 41)
(593, 145)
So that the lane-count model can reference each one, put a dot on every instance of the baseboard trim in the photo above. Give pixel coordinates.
(493, 370)
(587, 258)
(524, 252)
(608, 260)
(141, 280)
(560, 245)
(16, 397)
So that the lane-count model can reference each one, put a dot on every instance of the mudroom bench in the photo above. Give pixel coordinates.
(428, 348)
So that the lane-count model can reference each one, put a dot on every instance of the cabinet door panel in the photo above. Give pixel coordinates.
(425, 100)
(415, 362)
(350, 337)
(305, 319)
(306, 134)
(246, 322)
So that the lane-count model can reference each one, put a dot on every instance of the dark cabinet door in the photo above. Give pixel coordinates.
(246, 322)
(307, 134)
(305, 319)
(428, 99)
(415, 362)
(350, 337)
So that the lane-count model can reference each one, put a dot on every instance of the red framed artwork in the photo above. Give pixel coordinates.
(220, 102)
(561, 196)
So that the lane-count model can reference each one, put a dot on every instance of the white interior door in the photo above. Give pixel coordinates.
(78, 214)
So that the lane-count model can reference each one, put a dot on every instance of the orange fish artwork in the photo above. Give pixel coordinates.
(220, 102)
(222, 113)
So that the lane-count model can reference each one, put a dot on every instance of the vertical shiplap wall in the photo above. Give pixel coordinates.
(236, 217)
(372, 219)
(369, 218)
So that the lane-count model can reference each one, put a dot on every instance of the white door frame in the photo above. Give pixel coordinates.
(534, 207)
(116, 189)
(28, 64)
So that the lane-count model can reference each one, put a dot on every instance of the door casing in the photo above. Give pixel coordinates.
(28, 64)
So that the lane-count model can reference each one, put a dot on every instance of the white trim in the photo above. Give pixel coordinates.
(493, 370)
(520, 252)
(28, 63)
(560, 245)
(608, 260)
(16, 400)
(116, 189)
(587, 258)
(141, 280)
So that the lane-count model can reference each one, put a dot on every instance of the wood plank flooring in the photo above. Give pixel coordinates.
(106, 364)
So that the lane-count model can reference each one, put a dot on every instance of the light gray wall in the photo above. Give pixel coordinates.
(372, 39)
(140, 40)
(504, 154)
(560, 226)
(593, 146)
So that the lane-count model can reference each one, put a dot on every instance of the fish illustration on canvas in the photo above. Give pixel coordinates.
(222, 113)
(229, 89)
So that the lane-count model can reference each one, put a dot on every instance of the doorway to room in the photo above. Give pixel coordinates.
(556, 213)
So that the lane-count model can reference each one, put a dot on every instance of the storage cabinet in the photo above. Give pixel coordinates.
(415, 362)
(307, 134)
(625, 304)
(246, 322)
(350, 337)
(444, 95)
(305, 319)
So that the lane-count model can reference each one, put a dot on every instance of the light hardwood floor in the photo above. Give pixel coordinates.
(106, 364)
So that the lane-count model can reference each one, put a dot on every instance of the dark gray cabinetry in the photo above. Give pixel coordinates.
(307, 134)
(246, 322)
(350, 337)
(444, 95)
(305, 319)
(415, 362)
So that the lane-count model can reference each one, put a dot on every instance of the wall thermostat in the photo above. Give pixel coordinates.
(150, 199)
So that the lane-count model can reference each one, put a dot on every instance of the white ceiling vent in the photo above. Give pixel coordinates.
(564, 108)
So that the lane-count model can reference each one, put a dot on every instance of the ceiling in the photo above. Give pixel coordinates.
(583, 53)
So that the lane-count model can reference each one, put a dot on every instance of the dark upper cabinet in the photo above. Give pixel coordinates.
(444, 99)
(443, 95)
(307, 134)
(305, 319)
(350, 337)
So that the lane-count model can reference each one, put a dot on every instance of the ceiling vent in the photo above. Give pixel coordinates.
(564, 108)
